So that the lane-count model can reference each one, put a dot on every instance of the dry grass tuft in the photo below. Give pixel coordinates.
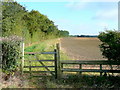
(15, 81)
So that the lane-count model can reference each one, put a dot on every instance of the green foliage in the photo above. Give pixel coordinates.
(12, 22)
(110, 46)
(64, 33)
(33, 25)
(10, 54)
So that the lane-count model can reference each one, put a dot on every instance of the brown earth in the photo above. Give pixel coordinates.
(82, 48)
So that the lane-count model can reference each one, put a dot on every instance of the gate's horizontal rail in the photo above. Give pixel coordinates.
(90, 70)
(40, 60)
(38, 66)
(33, 53)
(43, 76)
(38, 71)
(48, 52)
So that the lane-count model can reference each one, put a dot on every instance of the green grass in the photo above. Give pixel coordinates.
(42, 46)
(45, 46)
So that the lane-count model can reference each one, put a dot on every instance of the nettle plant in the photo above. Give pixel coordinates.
(110, 46)
(10, 54)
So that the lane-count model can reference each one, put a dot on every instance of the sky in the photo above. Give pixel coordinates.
(86, 17)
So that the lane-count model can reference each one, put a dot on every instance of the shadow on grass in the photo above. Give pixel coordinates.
(77, 81)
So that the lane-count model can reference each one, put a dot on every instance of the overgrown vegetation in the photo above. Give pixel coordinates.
(10, 54)
(77, 81)
(110, 46)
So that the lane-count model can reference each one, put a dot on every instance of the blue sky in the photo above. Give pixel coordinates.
(79, 17)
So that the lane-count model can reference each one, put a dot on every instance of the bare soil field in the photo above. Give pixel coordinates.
(82, 48)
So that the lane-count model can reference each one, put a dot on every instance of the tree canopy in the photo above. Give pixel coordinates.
(33, 25)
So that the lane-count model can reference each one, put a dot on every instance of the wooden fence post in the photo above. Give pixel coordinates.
(30, 68)
(58, 60)
(55, 57)
(80, 67)
(61, 67)
(22, 63)
(101, 69)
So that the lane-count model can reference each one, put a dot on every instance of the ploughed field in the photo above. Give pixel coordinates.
(82, 48)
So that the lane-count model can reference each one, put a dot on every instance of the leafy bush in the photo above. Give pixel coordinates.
(10, 54)
(110, 46)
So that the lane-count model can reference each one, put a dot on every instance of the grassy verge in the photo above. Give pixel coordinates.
(45, 46)
(48, 45)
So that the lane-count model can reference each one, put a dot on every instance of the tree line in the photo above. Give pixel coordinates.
(32, 26)
(84, 35)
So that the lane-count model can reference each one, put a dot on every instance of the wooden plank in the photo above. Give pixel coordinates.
(114, 71)
(30, 68)
(33, 53)
(58, 61)
(101, 69)
(84, 60)
(80, 62)
(61, 67)
(38, 66)
(48, 52)
(41, 60)
(103, 62)
(22, 63)
(42, 76)
(86, 63)
(80, 67)
(90, 70)
(55, 57)
(81, 70)
(39, 71)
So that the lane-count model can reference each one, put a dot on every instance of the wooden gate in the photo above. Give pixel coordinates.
(49, 67)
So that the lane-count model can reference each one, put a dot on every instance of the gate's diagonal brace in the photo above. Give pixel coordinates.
(44, 65)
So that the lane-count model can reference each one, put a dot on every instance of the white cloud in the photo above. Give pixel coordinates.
(104, 25)
(76, 5)
(107, 14)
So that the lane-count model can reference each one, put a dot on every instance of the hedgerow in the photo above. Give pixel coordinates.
(10, 54)
(110, 46)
